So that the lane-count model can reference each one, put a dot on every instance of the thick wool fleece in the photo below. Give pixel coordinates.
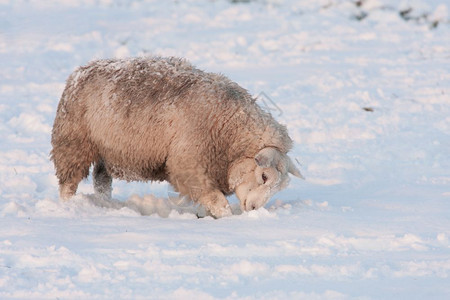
(158, 119)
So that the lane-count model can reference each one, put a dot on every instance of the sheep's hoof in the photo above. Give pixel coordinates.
(66, 191)
(221, 212)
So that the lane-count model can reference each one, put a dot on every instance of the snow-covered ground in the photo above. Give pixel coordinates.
(364, 88)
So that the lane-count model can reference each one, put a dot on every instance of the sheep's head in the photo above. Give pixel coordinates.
(256, 180)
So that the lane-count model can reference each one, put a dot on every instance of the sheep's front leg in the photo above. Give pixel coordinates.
(216, 203)
(189, 178)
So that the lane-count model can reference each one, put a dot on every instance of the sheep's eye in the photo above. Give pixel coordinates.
(264, 177)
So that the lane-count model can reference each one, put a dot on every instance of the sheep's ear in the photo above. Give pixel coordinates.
(293, 169)
(271, 157)
(266, 157)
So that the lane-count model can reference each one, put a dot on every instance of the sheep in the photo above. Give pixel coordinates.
(162, 119)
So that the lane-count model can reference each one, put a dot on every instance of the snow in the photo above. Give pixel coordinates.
(365, 93)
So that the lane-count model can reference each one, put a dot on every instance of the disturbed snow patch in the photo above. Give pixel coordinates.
(147, 205)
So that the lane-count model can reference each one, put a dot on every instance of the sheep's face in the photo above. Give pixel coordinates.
(256, 180)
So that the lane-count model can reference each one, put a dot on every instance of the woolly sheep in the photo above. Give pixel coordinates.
(163, 119)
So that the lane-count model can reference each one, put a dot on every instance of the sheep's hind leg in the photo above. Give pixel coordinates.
(67, 190)
(102, 180)
(70, 169)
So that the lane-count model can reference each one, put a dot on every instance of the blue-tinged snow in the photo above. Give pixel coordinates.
(364, 89)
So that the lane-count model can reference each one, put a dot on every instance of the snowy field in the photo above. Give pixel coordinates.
(364, 88)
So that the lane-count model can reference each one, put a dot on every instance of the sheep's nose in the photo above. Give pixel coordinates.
(253, 207)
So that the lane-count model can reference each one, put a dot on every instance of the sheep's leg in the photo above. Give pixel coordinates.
(67, 190)
(102, 180)
(68, 184)
(72, 159)
(189, 178)
(216, 203)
